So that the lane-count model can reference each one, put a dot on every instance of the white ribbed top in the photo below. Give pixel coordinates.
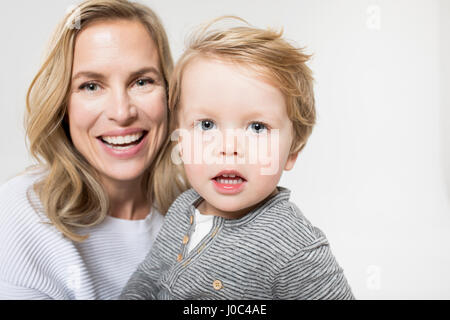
(37, 262)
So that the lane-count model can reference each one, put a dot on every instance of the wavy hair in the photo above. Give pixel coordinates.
(70, 191)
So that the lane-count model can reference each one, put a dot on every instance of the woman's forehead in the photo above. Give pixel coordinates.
(114, 44)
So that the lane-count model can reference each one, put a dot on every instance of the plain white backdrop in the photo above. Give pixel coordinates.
(375, 175)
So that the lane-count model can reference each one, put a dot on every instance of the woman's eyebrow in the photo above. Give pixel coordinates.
(92, 74)
(88, 74)
(144, 71)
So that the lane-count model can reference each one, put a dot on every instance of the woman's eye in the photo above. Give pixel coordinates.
(90, 87)
(144, 82)
(258, 127)
(206, 125)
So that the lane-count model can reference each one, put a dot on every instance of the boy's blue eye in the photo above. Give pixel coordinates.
(207, 125)
(258, 127)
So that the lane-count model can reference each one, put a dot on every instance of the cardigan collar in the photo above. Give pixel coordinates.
(282, 195)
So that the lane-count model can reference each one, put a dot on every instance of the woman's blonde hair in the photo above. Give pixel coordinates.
(267, 53)
(70, 191)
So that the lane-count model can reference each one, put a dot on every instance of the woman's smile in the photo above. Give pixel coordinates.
(117, 109)
(124, 147)
(123, 143)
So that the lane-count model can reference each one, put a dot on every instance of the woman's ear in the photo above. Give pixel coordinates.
(180, 146)
(66, 127)
(291, 161)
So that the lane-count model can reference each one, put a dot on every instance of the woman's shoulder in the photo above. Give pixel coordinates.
(21, 212)
(23, 223)
(18, 198)
(28, 240)
(26, 177)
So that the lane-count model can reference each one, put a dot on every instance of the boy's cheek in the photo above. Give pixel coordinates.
(195, 172)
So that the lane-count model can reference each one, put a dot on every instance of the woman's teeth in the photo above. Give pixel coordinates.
(120, 147)
(118, 142)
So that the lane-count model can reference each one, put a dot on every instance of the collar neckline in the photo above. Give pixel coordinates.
(282, 195)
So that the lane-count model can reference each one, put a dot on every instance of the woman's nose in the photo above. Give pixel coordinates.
(120, 108)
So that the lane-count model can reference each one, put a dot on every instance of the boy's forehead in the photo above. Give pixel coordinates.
(209, 65)
(211, 84)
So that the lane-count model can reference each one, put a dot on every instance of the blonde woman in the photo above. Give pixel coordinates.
(77, 225)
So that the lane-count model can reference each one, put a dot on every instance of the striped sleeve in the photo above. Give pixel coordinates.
(143, 284)
(312, 274)
(9, 291)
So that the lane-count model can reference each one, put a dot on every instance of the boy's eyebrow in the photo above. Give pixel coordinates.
(258, 114)
(93, 74)
(199, 111)
(195, 110)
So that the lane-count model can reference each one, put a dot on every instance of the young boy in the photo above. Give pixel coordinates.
(235, 234)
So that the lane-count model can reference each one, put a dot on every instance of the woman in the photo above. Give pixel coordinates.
(77, 227)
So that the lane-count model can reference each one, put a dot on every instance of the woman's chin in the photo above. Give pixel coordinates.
(124, 176)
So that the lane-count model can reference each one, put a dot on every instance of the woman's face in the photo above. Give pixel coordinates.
(117, 107)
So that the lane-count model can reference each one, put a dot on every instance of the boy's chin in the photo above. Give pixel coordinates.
(227, 207)
(232, 209)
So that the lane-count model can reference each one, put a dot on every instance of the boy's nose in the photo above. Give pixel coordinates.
(228, 152)
(232, 143)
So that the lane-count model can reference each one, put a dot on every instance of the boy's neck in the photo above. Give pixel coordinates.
(207, 209)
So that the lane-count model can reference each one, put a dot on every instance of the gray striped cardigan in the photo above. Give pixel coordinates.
(272, 252)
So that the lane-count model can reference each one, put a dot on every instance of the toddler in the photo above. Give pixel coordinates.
(242, 102)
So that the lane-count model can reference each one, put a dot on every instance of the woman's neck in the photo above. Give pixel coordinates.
(127, 200)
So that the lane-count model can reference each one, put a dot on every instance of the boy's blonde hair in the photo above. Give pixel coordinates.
(264, 51)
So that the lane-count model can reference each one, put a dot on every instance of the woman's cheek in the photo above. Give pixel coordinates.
(154, 105)
(82, 115)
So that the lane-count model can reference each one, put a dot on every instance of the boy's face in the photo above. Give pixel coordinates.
(232, 122)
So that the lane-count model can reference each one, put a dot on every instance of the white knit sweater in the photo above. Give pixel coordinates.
(37, 262)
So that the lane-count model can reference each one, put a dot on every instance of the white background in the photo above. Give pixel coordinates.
(375, 176)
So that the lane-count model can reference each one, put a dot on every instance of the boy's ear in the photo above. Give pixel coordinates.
(291, 161)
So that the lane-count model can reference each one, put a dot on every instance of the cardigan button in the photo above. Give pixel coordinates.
(191, 219)
(179, 258)
(217, 284)
(185, 239)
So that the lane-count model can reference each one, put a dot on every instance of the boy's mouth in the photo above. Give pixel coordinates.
(229, 182)
(229, 177)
